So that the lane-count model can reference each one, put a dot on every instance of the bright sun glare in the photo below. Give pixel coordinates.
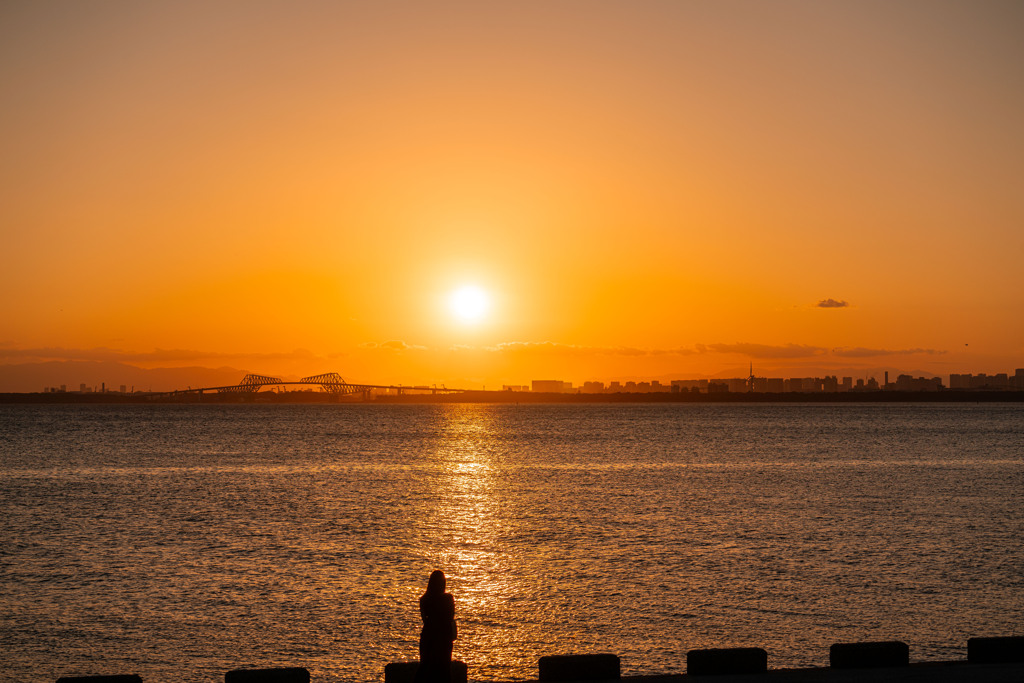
(469, 304)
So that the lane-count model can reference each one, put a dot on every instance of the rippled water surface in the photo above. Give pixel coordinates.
(179, 542)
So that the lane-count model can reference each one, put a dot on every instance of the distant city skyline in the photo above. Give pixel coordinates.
(1012, 380)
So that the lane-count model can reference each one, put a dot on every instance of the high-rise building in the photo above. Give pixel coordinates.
(737, 384)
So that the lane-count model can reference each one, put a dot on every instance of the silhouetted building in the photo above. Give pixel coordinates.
(700, 385)
(958, 381)
(827, 384)
(908, 383)
(737, 384)
(983, 382)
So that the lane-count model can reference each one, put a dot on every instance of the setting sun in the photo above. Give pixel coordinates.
(469, 304)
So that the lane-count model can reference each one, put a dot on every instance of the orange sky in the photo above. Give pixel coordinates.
(645, 190)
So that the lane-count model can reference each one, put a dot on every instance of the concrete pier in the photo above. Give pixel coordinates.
(728, 660)
(924, 672)
(888, 653)
(994, 650)
(990, 660)
(560, 668)
(405, 672)
(290, 674)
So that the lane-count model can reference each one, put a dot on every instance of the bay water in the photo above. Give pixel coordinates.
(181, 541)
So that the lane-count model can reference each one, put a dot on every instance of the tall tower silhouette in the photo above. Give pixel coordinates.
(750, 380)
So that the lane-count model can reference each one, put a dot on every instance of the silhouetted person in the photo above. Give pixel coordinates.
(438, 611)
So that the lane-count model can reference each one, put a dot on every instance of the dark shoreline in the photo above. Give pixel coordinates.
(506, 397)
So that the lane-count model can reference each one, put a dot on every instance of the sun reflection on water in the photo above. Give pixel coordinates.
(472, 530)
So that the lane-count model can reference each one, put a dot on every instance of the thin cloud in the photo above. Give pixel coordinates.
(103, 353)
(678, 351)
(394, 345)
(555, 348)
(765, 350)
(832, 303)
(861, 352)
(559, 349)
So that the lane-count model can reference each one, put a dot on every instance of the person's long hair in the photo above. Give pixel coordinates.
(436, 584)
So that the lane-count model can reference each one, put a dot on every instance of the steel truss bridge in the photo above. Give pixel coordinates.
(330, 382)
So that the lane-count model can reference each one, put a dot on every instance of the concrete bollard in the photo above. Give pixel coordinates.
(294, 674)
(600, 667)
(405, 672)
(127, 678)
(995, 650)
(868, 655)
(727, 660)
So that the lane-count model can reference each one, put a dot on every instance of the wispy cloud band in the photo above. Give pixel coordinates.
(518, 348)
